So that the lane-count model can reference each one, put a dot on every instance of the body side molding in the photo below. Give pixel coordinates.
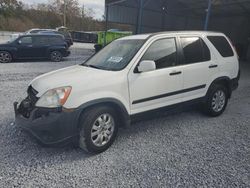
(169, 94)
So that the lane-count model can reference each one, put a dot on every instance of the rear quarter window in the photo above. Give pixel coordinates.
(40, 40)
(56, 40)
(222, 45)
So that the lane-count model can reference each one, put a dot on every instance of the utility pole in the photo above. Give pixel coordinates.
(83, 10)
(64, 13)
(208, 15)
(82, 16)
(106, 23)
(139, 21)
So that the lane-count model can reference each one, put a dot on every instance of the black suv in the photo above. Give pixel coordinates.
(67, 36)
(35, 46)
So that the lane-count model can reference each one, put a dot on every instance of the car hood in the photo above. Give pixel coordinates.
(73, 76)
(4, 44)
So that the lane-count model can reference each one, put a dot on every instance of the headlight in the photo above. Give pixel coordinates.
(54, 98)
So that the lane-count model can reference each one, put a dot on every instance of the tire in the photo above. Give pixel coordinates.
(96, 136)
(217, 99)
(5, 57)
(56, 56)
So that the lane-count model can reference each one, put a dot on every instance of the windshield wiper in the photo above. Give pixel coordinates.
(92, 66)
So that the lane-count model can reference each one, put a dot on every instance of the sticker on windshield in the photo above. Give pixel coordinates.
(115, 59)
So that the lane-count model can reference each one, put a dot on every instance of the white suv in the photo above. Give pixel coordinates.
(130, 76)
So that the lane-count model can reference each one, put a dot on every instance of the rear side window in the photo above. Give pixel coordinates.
(222, 45)
(195, 50)
(40, 40)
(56, 40)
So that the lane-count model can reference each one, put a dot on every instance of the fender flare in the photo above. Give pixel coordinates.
(225, 79)
(55, 48)
(124, 115)
(11, 50)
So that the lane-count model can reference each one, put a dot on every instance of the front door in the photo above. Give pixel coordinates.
(25, 47)
(161, 87)
(40, 45)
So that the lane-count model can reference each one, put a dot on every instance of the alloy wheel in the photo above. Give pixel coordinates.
(5, 57)
(102, 130)
(218, 101)
(56, 56)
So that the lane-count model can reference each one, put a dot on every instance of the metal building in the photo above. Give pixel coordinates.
(229, 16)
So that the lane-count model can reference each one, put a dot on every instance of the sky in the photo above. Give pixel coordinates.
(96, 5)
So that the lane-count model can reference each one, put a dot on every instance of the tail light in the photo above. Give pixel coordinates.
(235, 49)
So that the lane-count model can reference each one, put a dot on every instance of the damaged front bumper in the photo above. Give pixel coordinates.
(49, 126)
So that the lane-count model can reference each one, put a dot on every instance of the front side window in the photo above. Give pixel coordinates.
(163, 52)
(195, 50)
(26, 40)
(115, 56)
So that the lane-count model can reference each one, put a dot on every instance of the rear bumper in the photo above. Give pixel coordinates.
(67, 53)
(49, 126)
(235, 82)
(70, 42)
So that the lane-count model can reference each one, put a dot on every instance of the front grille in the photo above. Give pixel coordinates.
(28, 104)
(32, 95)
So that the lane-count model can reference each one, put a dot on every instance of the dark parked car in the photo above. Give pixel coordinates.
(35, 46)
(59, 31)
(67, 36)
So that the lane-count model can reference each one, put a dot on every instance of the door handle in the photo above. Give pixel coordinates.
(213, 66)
(175, 73)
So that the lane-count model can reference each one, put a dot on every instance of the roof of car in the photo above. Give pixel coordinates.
(149, 35)
(43, 34)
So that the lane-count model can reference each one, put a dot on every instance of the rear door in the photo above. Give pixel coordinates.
(198, 67)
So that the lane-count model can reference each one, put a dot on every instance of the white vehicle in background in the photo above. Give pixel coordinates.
(37, 30)
(130, 76)
(31, 31)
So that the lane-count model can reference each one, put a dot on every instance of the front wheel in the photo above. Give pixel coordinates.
(56, 56)
(216, 100)
(98, 129)
(5, 57)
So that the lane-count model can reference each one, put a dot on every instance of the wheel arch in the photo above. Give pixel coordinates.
(225, 81)
(52, 49)
(123, 114)
(11, 52)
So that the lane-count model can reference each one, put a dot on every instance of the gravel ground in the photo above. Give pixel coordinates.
(181, 149)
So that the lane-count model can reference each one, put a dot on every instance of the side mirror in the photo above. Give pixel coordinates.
(146, 66)
(19, 42)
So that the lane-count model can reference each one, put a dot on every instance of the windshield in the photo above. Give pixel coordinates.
(13, 38)
(116, 56)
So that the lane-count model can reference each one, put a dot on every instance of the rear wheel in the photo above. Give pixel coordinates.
(56, 56)
(5, 57)
(98, 129)
(216, 100)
